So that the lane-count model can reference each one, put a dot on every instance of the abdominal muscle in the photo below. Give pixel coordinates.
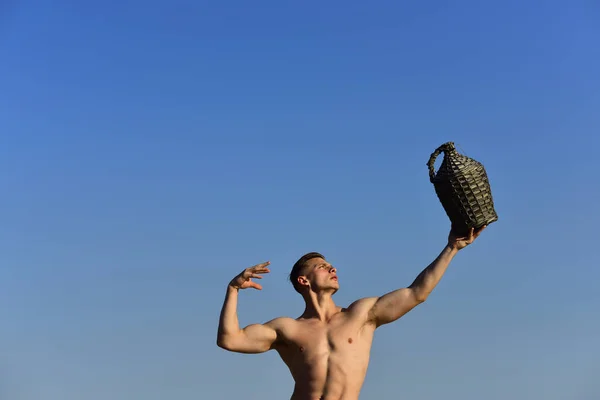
(328, 371)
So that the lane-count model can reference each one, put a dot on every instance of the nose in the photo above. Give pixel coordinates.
(332, 269)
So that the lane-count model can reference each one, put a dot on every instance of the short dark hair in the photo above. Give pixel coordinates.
(299, 266)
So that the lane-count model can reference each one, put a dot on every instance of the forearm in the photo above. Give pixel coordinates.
(228, 321)
(428, 279)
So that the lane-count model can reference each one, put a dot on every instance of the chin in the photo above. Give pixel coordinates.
(330, 289)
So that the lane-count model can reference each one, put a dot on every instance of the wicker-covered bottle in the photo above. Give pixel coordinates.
(462, 187)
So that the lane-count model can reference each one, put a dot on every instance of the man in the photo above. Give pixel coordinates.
(327, 348)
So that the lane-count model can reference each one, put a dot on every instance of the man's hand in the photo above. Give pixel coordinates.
(244, 279)
(458, 242)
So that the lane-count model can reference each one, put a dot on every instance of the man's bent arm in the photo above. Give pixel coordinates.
(255, 338)
(393, 305)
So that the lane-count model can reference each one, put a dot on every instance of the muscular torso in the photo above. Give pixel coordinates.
(327, 359)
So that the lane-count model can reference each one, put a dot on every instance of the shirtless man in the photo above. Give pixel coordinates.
(327, 348)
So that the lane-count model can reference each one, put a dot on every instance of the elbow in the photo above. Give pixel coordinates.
(418, 293)
(224, 342)
(229, 342)
(422, 292)
(420, 299)
(420, 296)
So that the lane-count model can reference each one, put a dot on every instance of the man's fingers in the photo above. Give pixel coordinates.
(262, 265)
(260, 268)
(255, 285)
(478, 231)
(253, 272)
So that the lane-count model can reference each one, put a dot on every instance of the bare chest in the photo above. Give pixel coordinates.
(314, 339)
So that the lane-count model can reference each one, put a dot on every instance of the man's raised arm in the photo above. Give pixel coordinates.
(255, 338)
(393, 305)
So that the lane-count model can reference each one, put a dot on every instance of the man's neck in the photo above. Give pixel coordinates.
(320, 306)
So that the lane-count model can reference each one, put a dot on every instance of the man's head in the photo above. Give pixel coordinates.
(313, 272)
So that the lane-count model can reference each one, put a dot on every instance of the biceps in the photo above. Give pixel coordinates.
(394, 305)
(255, 338)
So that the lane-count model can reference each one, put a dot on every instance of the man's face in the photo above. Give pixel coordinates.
(321, 275)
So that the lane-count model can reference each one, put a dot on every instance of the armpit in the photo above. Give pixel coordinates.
(362, 308)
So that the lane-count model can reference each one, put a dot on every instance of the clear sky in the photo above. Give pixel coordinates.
(152, 150)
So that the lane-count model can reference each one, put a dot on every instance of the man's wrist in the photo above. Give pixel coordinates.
(451, 248)
(232, 288)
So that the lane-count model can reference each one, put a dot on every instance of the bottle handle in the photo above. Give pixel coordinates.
(443, 148)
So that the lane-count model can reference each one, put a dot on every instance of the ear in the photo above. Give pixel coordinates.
(303, 281)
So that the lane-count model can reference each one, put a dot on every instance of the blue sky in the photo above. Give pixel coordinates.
(152, 150)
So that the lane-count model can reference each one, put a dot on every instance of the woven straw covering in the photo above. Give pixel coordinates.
(462, 187)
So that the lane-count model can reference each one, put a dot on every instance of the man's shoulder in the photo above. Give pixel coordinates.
(280, 322)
